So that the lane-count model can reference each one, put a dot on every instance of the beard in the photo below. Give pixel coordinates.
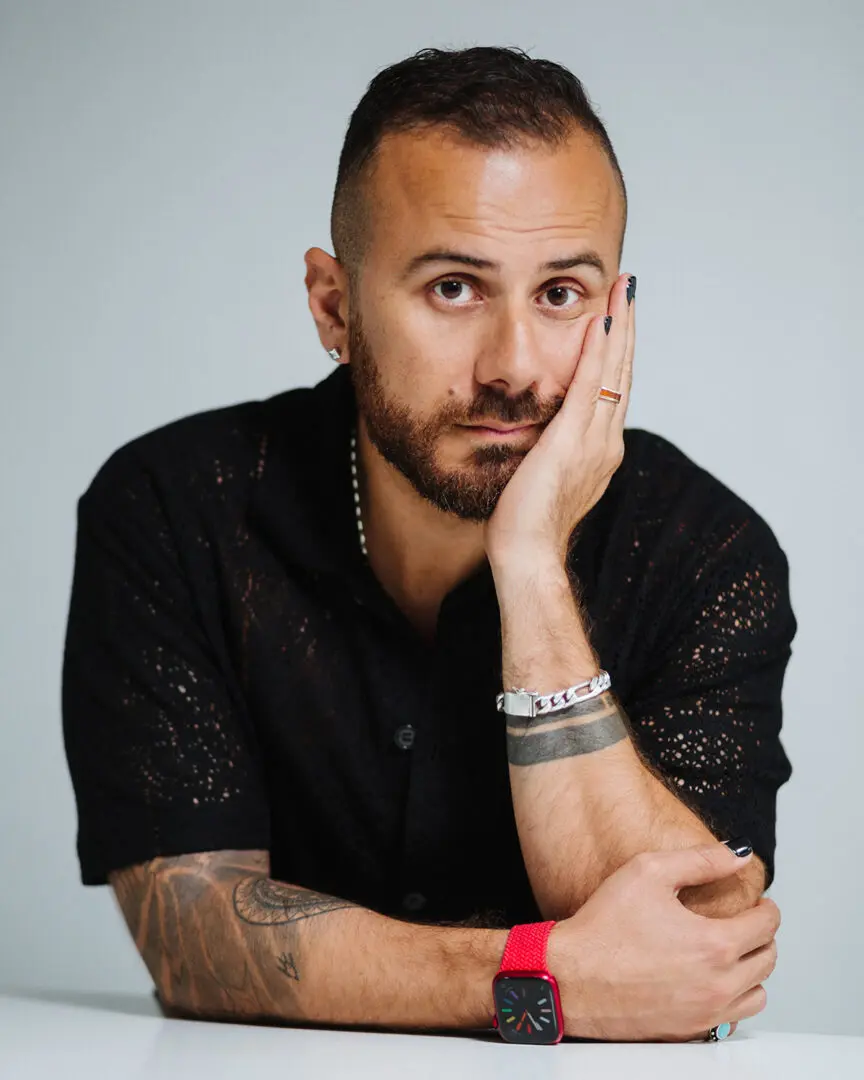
(470, 491)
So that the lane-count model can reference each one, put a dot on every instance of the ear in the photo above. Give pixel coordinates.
(327, 286)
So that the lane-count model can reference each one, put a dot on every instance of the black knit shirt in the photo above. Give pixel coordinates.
(236, 677)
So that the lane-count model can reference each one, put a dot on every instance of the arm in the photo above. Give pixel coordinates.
(581, 815)
(222, 940)
(559, 778)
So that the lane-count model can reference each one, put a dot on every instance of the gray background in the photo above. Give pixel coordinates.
(164, 167)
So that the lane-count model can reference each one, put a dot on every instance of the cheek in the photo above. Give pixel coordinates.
(564, 350)
(427, 352)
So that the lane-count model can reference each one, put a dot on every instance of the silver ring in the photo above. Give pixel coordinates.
(612, 396)
(719, 1033)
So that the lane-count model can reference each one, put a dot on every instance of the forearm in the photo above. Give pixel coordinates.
(583, 811)
(222, 940)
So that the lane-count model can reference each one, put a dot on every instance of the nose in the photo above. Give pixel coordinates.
(511, 356)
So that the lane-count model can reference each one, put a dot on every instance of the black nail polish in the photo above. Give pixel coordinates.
(631, 289)
(607, 322)
(740, 845)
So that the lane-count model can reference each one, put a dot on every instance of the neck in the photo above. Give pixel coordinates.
(417, 552)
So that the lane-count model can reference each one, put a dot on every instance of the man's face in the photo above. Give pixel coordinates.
(464, 313)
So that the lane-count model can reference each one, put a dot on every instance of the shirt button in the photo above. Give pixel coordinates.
(404, 737)
(413, 901)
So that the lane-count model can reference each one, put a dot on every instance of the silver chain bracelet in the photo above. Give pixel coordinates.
(521, 702)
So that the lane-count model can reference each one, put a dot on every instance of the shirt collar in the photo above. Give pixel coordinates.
(303, 506)
(304, 502)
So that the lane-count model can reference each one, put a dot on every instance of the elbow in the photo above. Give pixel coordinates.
(212, 997)
(730, 896)
(177, 993)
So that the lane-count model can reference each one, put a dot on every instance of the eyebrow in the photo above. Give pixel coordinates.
(589, 259)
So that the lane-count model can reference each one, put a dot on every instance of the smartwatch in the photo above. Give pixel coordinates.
(527, 1001)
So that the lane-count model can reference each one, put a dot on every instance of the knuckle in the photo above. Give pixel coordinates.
(706, 856)
(772, 914)
(717, 951)
(727, 954)
(715, 998)
(647, 864)
(716, 995)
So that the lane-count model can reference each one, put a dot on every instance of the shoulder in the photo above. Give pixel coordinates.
(654, 464)
(683, 504)
(696, 557)
(212, 453)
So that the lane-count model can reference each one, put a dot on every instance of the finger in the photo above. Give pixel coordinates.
(609, 417)
(755, 969)
(753, 928)
(616, 354)
(580, 401)
(747, 1005)
(626, 377)
(690, 866)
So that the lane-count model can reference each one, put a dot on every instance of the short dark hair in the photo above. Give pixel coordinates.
(489, 95)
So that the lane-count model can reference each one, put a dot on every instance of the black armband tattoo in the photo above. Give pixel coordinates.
(533, 740)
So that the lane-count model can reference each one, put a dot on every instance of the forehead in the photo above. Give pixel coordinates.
(433, 187)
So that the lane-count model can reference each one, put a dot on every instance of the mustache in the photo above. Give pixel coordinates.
(524, 409)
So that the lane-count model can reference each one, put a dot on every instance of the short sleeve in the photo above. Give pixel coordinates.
(709, 713)
(159, 747)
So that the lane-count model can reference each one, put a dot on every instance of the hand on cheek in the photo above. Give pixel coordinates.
(569, 468)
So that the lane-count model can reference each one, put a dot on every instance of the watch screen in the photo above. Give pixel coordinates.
(525, 1008)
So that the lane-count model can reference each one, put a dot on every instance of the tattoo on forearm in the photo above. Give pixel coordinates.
(219, 938)
(584, 728)
(288, 967)
(264, 902)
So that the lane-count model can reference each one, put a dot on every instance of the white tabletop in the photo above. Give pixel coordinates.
(71, 1036)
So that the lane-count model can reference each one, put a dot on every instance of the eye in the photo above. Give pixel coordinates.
(561, 296)
(455, 292)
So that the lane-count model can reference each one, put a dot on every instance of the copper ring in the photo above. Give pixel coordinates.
(612, 396)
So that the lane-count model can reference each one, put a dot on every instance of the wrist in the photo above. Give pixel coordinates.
(532, 569)
(472, 957)
(565, 955)
(545, 646)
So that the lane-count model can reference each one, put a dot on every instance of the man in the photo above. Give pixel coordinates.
(291, 621)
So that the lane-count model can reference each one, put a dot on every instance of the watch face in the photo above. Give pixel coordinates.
(525, 1009)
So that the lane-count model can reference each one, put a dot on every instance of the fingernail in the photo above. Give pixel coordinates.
(607, 322)
(631, 289)
(740, 845)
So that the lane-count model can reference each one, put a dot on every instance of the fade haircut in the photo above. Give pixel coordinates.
(495, 97)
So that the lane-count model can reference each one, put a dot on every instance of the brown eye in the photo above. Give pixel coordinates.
(558, 295)
(455, 291)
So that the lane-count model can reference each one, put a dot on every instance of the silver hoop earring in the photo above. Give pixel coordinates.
(334, 354)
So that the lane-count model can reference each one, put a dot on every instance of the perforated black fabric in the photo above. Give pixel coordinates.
(235, 677)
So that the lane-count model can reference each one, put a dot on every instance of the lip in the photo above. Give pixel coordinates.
(499, 430)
